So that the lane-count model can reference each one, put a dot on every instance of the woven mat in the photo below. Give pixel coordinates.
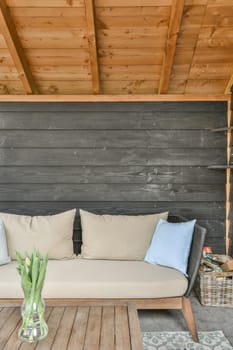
(214, 340)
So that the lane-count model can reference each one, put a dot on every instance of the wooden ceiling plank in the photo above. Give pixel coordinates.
(173, 31)
(45, 3)
(129, 3)
(229, 85)
(47, 11)
(10, 34)
(92, 41)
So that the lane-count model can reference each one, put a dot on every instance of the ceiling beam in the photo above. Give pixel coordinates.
(229, 85)
(173, 31)
(11, 37)
(92, 42)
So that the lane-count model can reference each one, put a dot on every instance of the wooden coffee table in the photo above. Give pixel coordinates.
(77, 327)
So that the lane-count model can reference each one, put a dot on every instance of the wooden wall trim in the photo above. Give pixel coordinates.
(112, 98)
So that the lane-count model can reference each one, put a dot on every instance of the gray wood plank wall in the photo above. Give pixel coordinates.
(115, 158)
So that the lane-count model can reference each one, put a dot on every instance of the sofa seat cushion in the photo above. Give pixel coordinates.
(81, 278)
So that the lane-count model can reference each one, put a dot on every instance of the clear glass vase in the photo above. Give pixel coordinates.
(34, 327)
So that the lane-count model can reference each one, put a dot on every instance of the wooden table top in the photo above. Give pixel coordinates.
(79, 327)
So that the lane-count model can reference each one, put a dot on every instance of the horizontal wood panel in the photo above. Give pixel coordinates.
(130, 86)
(175, 107)
(219, 15)
(131, 38)
(76, 156)
(5, 58)
(43, 38)
(106, 22)
(127, 3)
(117, 174)
(211, 32)
(44, 3)
(216, 42)
(200, 210)
(211, 71)
(50, 11)
(213, 55)
(49, 73)
(67, 87)
(215, 229)
(133, 11)
(135, 72)
(111, 138)
(57, 57)
(3, 44)
(10, 75)
(76, 22)
(114, 192)
(213, 85)
(58, 73)
(13, 87)
(103, 120)
(130, 57)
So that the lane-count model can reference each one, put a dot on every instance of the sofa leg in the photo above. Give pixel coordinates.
(189, 318)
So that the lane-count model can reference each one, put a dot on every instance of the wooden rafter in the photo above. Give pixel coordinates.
(173, 31)
(11, 37)
(92, 41)
(229, 85)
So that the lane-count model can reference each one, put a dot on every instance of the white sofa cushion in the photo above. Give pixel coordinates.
(50, 234)
(82, 278)
(123, 237)
(4, 258)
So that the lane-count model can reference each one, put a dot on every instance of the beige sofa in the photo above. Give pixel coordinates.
(148, 286)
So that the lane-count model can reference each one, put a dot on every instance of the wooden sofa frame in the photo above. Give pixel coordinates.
(179, 303)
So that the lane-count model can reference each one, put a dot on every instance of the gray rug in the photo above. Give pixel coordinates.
(183, 341)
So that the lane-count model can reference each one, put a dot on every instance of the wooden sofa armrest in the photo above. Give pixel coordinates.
(195, 251)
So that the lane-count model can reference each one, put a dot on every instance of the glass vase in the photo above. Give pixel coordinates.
(34, 327)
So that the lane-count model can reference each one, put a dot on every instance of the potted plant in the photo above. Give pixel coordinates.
(32, 270)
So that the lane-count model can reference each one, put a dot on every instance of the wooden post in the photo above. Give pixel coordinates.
(228, 177)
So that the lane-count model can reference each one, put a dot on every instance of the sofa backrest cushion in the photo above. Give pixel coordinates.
(4, 258)
(122, 237)
(171, 244)
(49, 234)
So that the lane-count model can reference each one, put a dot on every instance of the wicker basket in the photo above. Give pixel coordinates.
(215, 288)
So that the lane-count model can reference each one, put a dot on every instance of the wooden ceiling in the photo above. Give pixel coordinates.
(116, 47)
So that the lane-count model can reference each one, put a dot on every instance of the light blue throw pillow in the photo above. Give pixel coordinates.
(171, 244)
(4, 258)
